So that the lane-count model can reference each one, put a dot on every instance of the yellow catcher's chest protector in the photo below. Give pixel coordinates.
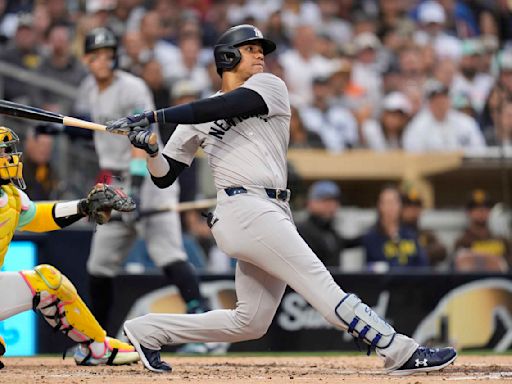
(10, 208)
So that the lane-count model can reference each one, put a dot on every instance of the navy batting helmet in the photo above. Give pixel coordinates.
(226, 52)
(100, 38)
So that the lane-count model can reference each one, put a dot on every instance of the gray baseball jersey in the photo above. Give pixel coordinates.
(127, 95)
(248, 151)
(259, 232)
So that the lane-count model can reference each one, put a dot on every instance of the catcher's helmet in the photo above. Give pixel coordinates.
(227, 55)
(11, 167)
(100, 38)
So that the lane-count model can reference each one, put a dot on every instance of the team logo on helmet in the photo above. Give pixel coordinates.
(258, 33)
(11, 167)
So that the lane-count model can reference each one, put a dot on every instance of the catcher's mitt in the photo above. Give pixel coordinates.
(102, 199)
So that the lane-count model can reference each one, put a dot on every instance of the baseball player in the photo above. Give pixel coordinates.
(45, 289)
(105, 94)
(244, 131)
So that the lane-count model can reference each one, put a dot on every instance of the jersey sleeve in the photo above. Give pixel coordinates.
(183, 144)
(273, 91)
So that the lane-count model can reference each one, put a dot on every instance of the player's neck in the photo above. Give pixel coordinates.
(230, 82)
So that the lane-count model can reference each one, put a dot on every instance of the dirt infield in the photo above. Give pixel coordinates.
(224, 369)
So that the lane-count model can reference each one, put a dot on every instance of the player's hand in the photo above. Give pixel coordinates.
(130, 122)
(141, 138)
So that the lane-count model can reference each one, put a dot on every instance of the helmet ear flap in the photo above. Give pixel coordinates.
(226, 57)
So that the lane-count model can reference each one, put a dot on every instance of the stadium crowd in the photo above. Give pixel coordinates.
(380, 74)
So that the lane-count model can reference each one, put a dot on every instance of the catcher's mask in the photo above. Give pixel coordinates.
(11, 166)
(226, 52)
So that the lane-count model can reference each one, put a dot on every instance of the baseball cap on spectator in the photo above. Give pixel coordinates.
(324, 189)
(434, 87)
(184, 88)
(412, 197)
(366, 40)
(397, 101)
(431, 12)
(462, 101)
(479, 199)
(93, 6)
(471, 47)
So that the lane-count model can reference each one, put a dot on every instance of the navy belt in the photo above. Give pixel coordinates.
(279, 194)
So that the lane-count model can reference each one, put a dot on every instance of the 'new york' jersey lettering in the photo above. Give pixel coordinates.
(245, 150)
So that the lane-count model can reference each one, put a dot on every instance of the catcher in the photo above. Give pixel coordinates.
(45, 289)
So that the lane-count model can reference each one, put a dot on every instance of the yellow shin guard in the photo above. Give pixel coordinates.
(57, 300)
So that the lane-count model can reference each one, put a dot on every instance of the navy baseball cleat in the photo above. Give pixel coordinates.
(426, 360)
(149, 357)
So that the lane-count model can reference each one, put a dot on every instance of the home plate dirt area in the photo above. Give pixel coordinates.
(255, 369)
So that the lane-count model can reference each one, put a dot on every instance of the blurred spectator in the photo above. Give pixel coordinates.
(134, 55)
(37, 170)
(433, 30)
(469, 80)
(477, 249)
(445, 71)
(276, 31)
(23, 52)
(366, 71)
(501, 91)
(331, 25)
(461, 20)
(344, 91)
(300, 137)
(167, 54)
(412, 208)
(386, 133)
(126, 15)
(302, 64)
(58, 11)
(61, 65)
(501, 134)
(334, 124)
(188, 66)
(389, 243)
(412, 65)
(152, 74)
(318, 229)
(439, 127)
(41, 22)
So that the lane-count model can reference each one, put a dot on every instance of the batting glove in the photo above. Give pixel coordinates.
(140, 138)
(129, 122)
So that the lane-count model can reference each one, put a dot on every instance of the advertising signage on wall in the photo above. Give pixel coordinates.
(470, 311)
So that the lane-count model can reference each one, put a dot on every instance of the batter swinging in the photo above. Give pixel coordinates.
(244, 130)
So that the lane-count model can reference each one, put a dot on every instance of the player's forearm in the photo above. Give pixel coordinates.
(53, 216)
(164, 170)
(239, 102)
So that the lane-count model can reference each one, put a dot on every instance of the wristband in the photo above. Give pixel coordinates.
(138, 167)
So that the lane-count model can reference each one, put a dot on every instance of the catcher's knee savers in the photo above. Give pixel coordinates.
(57, 300)
(363, 323)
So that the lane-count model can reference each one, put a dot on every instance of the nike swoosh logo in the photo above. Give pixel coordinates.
(4, 222)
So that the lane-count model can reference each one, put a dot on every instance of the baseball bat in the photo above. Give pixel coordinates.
(180, 207)
(33, 113)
